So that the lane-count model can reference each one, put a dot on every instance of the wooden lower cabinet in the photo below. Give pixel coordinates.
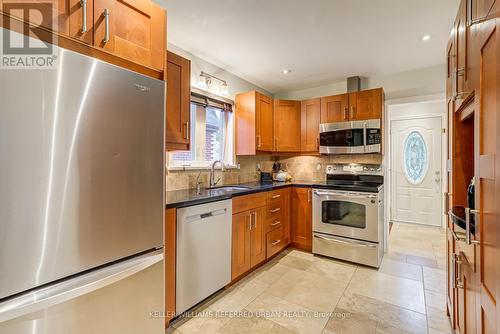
(248, 241)
(301, 218)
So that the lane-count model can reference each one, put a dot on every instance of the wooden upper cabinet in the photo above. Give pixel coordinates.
(253, 123)
(301, 218)
(310, 120)
(131, 29)
(287, 126)
(178, 102)
(480, 9)
(51, 14)
(334, 108)
(81, 10)
(264, 122)
(366, 104)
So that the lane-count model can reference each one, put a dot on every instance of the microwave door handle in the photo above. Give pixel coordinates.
(364, 136)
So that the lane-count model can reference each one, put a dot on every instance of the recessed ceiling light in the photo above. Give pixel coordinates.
(426, 37)
(286, 71)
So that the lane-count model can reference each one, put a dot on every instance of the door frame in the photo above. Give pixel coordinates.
(392, 115)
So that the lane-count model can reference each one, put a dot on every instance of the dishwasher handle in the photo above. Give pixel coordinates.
(197, 217)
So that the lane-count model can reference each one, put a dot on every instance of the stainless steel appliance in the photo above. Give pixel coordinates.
(348, 215)
(82, 199)
(203, 252)
(350, 137)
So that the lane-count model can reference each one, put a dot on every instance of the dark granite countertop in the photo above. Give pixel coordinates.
(188, 197)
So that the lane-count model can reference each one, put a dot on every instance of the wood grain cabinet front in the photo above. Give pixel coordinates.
(335, 108)
(131, 29)
(287, 126)
(301, 218)
(178, 117)
(310, 120)
(366, 104)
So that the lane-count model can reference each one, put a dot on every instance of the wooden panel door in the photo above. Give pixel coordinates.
(480, 9)
(286, 214)
(334, 108)
(286, 126)
(264, 122)
(258, 237)
(466, 296)
(310, 118)
(245, 123)
(487, 181)
(177, 130)
(301, 218)
(240, 255)
(136, 31)
(366, 104)
(50, 14)
(81, 10)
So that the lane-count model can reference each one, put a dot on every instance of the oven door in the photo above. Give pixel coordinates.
(346, 214)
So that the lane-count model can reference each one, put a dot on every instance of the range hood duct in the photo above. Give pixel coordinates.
(353, 84)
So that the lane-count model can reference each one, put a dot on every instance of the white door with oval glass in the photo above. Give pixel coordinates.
(416, 163)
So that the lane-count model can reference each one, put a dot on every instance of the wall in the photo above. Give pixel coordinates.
(310, 168)
(236, 84)
(420, 82)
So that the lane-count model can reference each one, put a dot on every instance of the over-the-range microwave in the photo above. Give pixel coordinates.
(353, 137)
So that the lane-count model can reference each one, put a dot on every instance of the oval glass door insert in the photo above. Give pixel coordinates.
(415, 160)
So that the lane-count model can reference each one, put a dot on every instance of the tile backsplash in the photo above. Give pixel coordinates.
(300, 167)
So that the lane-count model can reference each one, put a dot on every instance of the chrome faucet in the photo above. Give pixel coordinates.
(212, 172)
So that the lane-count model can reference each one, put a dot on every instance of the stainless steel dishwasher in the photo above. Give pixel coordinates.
(203, 252)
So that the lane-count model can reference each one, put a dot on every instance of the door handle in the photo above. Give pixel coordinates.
(254, 215)
(275, 210)
(275, 196)
(249, 222)
(340, 241)
(353, 112)
(468, 233)
(346, 110)
(106, 26)
(455, 261)
(258, 141)
(72, 288)
(83, 3)
(186, 125)
(276, 242)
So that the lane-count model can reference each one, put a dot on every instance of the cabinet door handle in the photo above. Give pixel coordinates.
(353, 112)
(258, 141)
(317, 143)
(254, 214)
(83, 3)
(309, 196)
(346, 116)
(456, 261)
(276, 223)
(187, 130)
(249, 222)
(275, 210)
(468, 233)
(276, 242)
(275, 196)
(276, 144)
(106, 26)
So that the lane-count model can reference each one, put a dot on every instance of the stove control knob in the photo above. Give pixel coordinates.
(365, 168)
(372, 169)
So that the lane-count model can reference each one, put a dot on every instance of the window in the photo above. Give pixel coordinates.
(212, 137)
(415, 158)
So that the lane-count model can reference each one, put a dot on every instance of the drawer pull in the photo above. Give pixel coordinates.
(275, 196)
(276, 242)
(275, 210)
(276, 223)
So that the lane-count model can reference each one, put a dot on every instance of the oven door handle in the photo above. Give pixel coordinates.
(342, 241)
(351, 195)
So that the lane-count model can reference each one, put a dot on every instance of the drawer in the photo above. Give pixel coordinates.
(275, 242)
(273, 223)
(249, 202)
(276, 196)
(274, 210)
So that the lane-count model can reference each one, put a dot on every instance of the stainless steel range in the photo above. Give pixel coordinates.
(348, 214)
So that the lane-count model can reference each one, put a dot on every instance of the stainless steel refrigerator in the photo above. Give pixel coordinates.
(81, 199)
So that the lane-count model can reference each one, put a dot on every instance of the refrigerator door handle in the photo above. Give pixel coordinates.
(72, 288)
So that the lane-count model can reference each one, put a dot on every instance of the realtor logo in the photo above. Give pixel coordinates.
(26, 49)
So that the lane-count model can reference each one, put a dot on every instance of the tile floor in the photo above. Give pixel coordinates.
(300, 293)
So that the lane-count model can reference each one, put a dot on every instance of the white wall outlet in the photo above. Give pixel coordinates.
(258, 166)
(318, 167)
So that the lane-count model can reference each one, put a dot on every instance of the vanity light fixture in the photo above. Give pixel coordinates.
(205, 82)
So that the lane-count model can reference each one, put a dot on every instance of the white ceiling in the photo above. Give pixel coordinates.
(321, 41)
